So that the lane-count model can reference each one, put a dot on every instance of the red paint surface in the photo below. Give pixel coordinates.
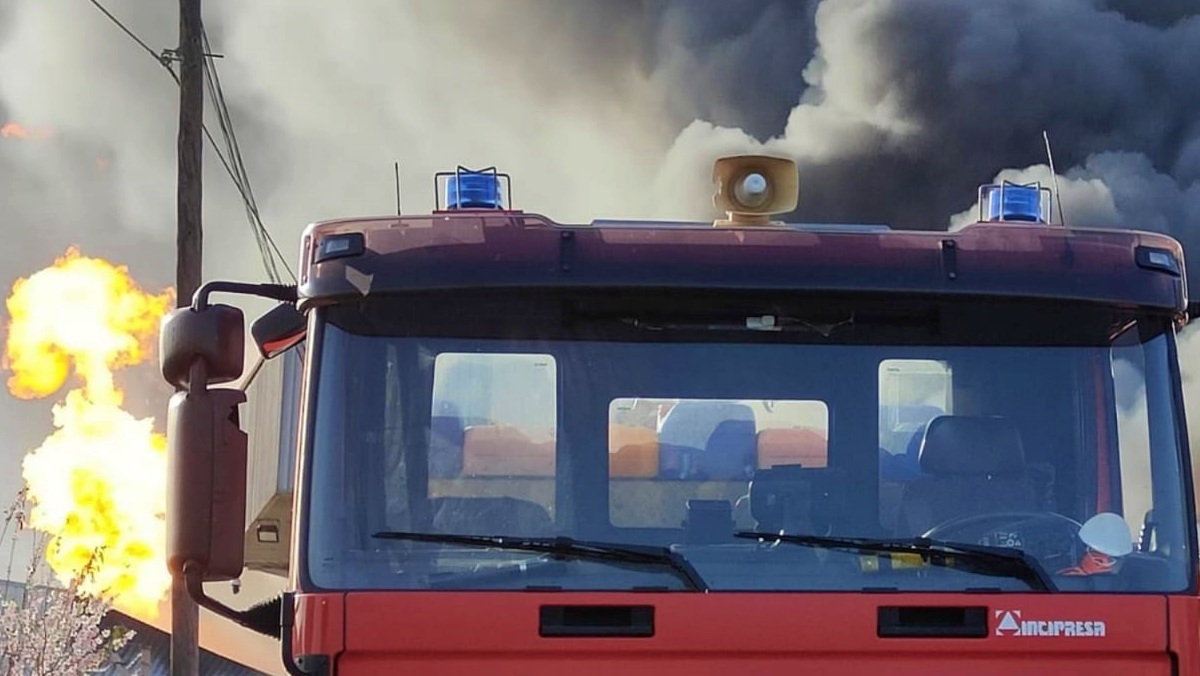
(517, 250)
(497, 632)
(1184, 613)
(319, 627)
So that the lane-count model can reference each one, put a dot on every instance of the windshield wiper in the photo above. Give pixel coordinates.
(981, 559)
(568, 548)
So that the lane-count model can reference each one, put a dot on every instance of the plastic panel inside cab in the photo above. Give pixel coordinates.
(795, 446)
(632, 452)
(501, 450)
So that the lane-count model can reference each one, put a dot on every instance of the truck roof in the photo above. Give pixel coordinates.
(510, 249)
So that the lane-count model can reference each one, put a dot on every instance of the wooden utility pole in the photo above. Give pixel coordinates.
(185, 615)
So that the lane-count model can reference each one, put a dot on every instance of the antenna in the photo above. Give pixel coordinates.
(396, 166)
(1054, 174)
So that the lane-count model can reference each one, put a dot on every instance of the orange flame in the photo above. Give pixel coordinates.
(14, 130)
(97, 483)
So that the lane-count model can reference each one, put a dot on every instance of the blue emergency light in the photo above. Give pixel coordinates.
(1029, 203)
(473, 190)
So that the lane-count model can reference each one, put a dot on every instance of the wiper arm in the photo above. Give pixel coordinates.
(568, 548)
(995, 561)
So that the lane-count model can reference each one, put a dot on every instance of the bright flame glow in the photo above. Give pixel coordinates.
(98, 482)
(14, 130)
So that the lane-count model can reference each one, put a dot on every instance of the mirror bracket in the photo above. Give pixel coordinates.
(263, 618)
(281, 292)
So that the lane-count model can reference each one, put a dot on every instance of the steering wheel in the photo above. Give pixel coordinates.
(1049, 537)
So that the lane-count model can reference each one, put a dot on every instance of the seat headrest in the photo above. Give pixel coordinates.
(691, 423)
(707, 440)
(956, 444)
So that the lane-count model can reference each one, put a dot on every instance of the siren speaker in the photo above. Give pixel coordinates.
(751, 188)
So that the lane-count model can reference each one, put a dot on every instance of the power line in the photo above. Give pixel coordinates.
(238, 176)
(266, 244)
(157, 57)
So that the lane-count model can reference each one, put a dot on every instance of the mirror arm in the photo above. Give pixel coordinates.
(280, 292)
(272, 618)
(249, 377)
(263, 618)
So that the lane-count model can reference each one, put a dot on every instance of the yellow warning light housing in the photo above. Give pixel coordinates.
(873, 563)
(752, 188)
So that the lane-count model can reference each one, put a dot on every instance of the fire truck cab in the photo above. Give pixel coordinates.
(742, 444)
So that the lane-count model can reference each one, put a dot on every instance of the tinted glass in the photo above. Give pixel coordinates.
(680, 443)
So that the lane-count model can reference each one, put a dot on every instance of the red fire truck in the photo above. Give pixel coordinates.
(741, 446)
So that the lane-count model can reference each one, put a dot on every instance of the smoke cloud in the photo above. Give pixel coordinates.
(896, 111)
(736, 63)
(910, 106)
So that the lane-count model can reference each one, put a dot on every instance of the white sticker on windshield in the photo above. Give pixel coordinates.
(1011, 623)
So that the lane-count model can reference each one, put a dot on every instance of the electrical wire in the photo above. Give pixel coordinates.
(265, 243)
(132, 36)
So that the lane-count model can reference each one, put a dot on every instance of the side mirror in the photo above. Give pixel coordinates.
(279, 330)
(215, 335)
(206, 465)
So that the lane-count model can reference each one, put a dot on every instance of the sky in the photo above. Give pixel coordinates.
(895, 111)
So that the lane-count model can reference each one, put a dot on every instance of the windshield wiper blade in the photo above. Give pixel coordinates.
(994, 561)
(565, 547)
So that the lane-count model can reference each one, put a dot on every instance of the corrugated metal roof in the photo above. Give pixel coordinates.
(149, 653)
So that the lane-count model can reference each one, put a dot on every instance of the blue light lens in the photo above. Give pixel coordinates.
(1014, 203)
(470, 190)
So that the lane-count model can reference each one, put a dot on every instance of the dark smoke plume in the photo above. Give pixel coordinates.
(1154, 12)
(911, 105)
(736, 63)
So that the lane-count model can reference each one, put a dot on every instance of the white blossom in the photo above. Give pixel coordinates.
(46, 628)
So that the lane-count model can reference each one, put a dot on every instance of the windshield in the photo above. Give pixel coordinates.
(702, 442)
